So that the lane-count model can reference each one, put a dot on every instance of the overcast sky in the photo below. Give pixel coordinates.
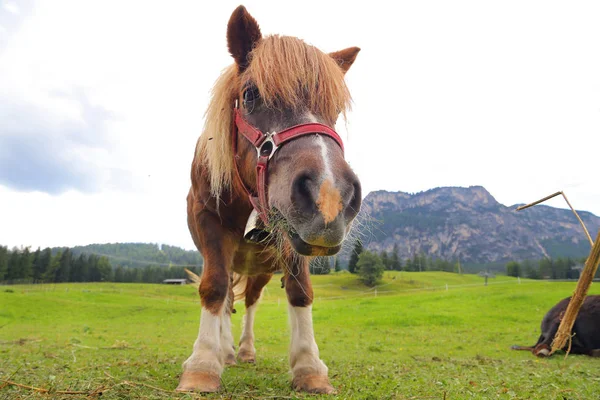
(101, 104)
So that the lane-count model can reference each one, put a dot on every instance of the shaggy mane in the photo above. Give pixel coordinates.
(288, 74)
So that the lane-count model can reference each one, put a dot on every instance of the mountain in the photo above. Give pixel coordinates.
(469, 224)
(140, 254)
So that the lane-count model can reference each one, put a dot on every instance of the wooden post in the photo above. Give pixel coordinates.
(583, 285)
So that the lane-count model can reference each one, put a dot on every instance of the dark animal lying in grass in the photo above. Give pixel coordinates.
(586, 330)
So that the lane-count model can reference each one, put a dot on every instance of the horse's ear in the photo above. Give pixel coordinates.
(242, 35)
(345, 58)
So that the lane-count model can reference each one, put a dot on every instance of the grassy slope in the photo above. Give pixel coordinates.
(402, 343)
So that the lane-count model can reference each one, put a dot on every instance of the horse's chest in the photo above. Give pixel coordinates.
(252, 259)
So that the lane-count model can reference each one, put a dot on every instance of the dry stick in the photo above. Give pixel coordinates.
(97, 392)
(130, 383)
(5, 384)
(585, 280)
(580, 221)
(25, 386)
(572, 209)
(41, 390)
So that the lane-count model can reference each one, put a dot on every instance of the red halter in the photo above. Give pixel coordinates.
(266, 145)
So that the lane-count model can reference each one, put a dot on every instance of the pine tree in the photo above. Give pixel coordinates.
(3, 262)
(513, 268)
(358, 248)
(337, 266)
(75, 271)
(84, 273)
(370, 268)
(530, 270)
(119, 274)
(414, 263)
(423, 262)
(94, 272)
(27, 264)
(51, 274)
(14, 261)
(458, 267)
(64, 271)
(385, 260)
(546, 268)
(43, 265)
(37, 262)
(396, 264)
(104, 269)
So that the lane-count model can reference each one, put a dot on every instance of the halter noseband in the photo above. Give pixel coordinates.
(266, 145)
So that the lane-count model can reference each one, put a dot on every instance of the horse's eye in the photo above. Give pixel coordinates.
(250, 95)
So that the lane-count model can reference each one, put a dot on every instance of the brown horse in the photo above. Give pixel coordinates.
(270, 188)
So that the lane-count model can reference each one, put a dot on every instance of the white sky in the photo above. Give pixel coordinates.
(500, 94)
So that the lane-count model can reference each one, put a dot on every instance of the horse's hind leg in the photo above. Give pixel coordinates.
(255, 285)
(309, 373)
(202, 370)
(227, 343)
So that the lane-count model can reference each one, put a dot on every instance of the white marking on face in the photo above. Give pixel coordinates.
(310, 117)
(327, 173)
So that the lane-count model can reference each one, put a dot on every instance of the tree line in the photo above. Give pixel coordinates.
(547, 268)
(22, 265)
(140, 254)
(393, 262)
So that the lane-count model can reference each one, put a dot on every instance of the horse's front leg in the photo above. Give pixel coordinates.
(202, 370)
(308, 371)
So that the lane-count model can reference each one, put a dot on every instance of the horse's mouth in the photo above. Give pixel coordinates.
(306, 249)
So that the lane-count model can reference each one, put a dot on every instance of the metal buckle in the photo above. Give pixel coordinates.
(267, 148)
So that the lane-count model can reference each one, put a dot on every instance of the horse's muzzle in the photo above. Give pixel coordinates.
(306, 249)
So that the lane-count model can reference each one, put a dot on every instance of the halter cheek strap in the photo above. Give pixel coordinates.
(266, 145)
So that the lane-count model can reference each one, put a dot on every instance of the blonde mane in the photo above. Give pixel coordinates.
(288, 74)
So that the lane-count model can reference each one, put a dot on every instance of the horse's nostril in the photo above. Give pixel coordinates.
(303, 196)
(353, 205)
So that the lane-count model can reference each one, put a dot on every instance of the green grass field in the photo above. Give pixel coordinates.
(409, 339)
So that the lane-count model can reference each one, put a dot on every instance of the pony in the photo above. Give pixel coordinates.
(270, 189)
(585, 333)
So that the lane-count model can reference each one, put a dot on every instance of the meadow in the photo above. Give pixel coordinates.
(416, 336)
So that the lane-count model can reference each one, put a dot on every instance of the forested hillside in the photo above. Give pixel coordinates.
(96, 263)
(141, 254)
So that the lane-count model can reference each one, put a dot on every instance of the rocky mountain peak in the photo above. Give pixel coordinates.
(468, 223)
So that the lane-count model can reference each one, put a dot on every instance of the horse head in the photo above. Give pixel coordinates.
(284, 85)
